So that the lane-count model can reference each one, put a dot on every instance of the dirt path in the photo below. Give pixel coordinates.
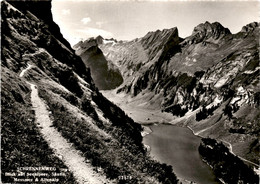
(83, 172)
(24, 70)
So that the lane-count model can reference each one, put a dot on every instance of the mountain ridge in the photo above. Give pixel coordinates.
(208, 78)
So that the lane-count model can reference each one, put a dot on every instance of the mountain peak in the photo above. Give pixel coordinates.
(99, 39)
(161, 32)
(155, 41)
(208, 30)
(250, 27)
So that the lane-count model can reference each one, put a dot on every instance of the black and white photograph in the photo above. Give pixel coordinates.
(130, 92)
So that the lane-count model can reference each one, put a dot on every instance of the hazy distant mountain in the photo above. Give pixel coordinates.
(46, 88)
(210, 78)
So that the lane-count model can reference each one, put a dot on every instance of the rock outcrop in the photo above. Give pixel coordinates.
(104, 73)
(207, 31)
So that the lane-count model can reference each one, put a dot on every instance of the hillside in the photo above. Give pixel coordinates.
(226, 165)
(208, 81)
(53, 115)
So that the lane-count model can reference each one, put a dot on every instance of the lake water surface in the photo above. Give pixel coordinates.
(177, 146)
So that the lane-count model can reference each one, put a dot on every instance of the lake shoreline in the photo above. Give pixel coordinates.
(150, 148)
(147, 130)
(145, 116)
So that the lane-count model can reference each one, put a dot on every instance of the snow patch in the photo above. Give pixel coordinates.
(179, 97)
(109, 42)
(216, 101)
(241, 90)
(221, 82)
(210, 147)
(234, 100)
(257, 171)
(251, 71)
(187, 58)
(188, 64)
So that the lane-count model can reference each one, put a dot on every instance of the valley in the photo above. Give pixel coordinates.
(137, 109)
(159, 109)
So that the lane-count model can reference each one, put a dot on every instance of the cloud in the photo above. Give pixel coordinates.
(74, 41)
(86, 20)
(93, 32)
(66, 12)
(100, 23)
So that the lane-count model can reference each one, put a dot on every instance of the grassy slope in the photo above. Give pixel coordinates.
(21, 142)
(103, 144)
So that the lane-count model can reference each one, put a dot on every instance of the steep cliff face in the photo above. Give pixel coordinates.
(139, 59)
(42, 79)
(104, 73)
(160, 43)
(43, 35)
(44, 15)
(210, 79)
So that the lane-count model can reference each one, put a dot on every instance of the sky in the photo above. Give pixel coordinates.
(127, 20)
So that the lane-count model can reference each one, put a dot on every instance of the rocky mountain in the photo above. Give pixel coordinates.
(209, 81)
(105, 74)
(54, 117)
